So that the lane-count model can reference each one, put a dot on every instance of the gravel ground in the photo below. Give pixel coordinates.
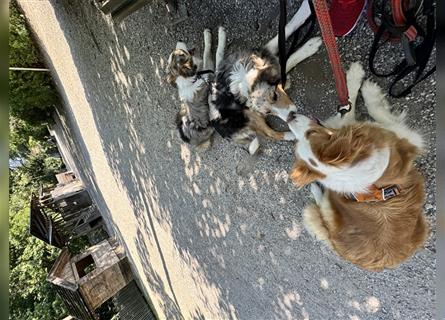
(216, 235)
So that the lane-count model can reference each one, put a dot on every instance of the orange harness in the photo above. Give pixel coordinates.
(376, 194)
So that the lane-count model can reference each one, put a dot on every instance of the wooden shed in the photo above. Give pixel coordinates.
(87, 280)
(64, 212)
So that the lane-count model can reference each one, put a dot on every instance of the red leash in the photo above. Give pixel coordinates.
(324, 20)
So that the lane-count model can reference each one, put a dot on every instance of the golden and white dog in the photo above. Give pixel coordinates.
(370, 196)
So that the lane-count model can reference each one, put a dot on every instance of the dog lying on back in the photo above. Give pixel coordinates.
(193, 77)
(369, 205)
(248, 87)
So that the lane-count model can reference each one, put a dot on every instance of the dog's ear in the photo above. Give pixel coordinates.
(345, 146)
(301, 174)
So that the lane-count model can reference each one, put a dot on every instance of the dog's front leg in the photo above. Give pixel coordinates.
(207, 63)
(297, 21)
(221, 46)
(307, 50)
(258, 124)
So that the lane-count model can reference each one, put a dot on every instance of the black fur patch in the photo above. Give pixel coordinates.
(231, 107)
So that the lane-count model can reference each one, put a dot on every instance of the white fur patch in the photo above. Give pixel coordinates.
(308, 49)
(254, 146)
(358, 178)
(187, 87)
(242, 79)
(353, 179)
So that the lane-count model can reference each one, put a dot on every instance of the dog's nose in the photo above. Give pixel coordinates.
(291, 116)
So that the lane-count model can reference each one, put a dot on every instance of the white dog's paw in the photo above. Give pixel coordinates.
(254, 146)
(289, 136)
(221, 35)
(207, 35)
(312, 45)
(356, 73)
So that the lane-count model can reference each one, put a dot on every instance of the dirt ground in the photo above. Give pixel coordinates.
(216, 234)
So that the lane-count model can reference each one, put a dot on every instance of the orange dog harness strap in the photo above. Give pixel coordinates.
(376, 194)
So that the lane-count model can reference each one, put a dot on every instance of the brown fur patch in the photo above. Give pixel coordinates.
(181, 64)
(258, 124)
(347, 145)
(301, 174)
(373, 235)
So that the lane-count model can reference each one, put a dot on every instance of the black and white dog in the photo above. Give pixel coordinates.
(247, 88)
(193, 78)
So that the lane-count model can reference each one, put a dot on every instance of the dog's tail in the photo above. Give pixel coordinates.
(314, 223)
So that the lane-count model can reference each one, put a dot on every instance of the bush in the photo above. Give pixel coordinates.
(32, 94)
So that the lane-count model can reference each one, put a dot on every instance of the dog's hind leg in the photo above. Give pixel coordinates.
(307, 50)
(221, 46)
(207, 63)
(314, 224)
(297, 21)
(379, 108)
(354, 79)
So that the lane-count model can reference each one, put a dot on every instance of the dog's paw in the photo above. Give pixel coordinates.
(207, 35)
(222, 35)
(356, 73)
(254, 146)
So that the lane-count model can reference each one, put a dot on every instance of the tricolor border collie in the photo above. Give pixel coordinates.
(369, 196)
(247, 88)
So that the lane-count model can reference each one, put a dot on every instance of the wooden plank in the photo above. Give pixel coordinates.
(112, 5)
(124, 11)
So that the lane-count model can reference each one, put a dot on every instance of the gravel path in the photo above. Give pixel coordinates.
(215, 235)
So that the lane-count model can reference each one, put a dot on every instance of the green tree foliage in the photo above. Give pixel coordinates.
(30, 295)
(32, 95)
(20, 135)
(33, 162)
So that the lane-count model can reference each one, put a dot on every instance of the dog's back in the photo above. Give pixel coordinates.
(379, 235)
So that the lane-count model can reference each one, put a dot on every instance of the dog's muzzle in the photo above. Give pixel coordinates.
(291, 116)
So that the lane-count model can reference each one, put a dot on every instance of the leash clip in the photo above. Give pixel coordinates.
(344, 109)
